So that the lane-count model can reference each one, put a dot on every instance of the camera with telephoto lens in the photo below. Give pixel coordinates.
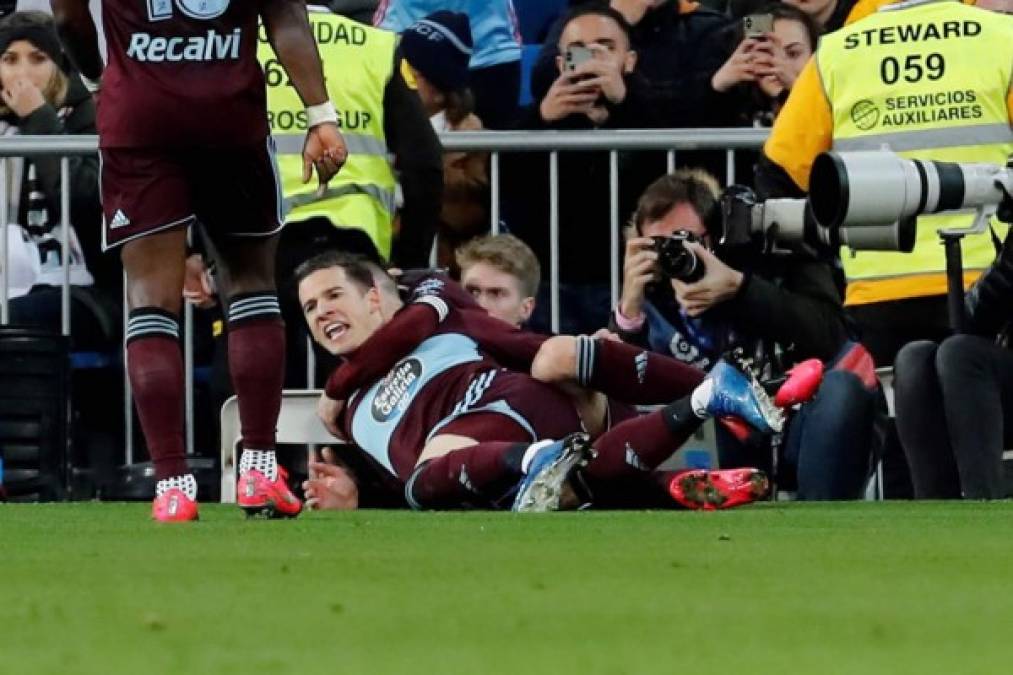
(675, 260)
(862, 188)
(792, 222)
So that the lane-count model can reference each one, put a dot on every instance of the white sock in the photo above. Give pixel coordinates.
(263, 461)
(701, 398)
(187, 483)
(530, 453)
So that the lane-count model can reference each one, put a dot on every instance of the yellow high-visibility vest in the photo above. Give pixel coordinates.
(928, 79)
(358, 62)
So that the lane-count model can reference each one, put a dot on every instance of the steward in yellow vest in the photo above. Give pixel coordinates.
(927, 78)
(383, 125)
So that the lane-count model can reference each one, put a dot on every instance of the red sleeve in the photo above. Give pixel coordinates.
(508, 346)
(384, 348)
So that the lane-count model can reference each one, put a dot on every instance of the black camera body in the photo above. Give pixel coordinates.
(675, 260)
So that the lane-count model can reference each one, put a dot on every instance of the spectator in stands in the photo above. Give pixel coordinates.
(496, 60)
(502, 273)
(955, 400)
(41, 97)
(763, 68)
(779, 309)
(599, 93)
(436, 51)
(680, 45)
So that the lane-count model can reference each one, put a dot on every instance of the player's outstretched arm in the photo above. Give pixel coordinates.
(383, 349)
(77, 31)
(288, 30)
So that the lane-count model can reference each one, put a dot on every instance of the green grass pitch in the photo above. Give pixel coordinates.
(851, 588)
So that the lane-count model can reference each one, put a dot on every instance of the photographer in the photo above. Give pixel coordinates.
(779, 309)
(954, 412)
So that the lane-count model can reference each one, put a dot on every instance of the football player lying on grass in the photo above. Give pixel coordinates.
(452, 401)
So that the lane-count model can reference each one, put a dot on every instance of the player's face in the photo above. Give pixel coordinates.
(498, 293)
(681, 217)
(339, 313)
(24, 61)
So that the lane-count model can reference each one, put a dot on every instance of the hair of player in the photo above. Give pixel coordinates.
(506, 253)
(695, 187)
(599, 8)
(55, 91)
(360, 270)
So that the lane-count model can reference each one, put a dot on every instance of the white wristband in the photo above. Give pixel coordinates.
(321, 113)
(92, 85)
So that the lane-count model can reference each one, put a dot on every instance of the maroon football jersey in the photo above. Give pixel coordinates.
(182, 73)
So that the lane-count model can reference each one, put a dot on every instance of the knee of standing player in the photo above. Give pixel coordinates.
(556, 360)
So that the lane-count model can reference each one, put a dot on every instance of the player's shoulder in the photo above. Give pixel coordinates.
(440, 286)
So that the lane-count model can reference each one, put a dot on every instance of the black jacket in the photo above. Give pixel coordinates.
(788, 309)
(583, 190)
(678, 54)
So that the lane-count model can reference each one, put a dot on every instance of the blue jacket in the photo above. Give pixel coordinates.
(494, 28)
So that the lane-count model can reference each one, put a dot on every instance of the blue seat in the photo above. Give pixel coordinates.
(535, 17)
(529, 53)
(92, 360)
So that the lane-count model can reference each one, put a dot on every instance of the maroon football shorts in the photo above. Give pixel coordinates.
(229, 191)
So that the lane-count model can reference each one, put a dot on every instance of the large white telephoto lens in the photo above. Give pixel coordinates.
(875, 188)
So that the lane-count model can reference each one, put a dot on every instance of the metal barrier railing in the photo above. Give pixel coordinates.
(670, 141)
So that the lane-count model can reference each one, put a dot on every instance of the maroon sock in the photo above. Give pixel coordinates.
(155, 367)
(257, 365)
(477, 476)
(640, 444)
(631, 374)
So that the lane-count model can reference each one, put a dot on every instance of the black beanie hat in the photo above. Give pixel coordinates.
(439, 47)
(42, 35)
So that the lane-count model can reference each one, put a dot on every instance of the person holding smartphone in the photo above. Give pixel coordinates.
(596, 87)
(774, 45)
(594, 62)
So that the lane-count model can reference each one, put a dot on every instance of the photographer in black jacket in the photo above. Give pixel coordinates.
(954, 400)
(778, 309)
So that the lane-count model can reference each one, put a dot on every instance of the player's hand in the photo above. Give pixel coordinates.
(330, 485)
(719, 283)
(198, 288)
(606, 334)
(324, 150)
(639, 268)
(22, 96)
(328, 411)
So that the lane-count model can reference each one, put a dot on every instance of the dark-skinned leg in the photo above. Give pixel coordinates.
(256, 344)
(154, 267)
